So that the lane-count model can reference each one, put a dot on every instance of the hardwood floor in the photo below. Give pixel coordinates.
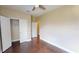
(34, 47)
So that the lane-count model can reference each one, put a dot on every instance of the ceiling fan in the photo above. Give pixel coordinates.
(38, 6)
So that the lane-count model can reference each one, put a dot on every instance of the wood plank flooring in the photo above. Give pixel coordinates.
(34, 47)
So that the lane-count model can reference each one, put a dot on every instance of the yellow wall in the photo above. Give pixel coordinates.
(61, 27)
(38, 25)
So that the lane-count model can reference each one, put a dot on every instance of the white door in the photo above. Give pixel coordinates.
(6, 33)
(0, 38)
(34, 29)
(23, 30)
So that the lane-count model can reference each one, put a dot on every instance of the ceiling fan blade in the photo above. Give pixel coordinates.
(42, 7)
(33, 9)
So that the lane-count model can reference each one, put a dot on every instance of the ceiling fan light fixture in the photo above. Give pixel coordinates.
(38, 6)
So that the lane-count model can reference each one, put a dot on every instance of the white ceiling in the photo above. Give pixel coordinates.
(28, 8)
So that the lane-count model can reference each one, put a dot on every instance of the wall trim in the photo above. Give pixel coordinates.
(6, 49)
(57, 45)
(25, 41)
(15, 40)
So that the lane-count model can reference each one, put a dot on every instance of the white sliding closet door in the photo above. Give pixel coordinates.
(23, 23)
(6, 32)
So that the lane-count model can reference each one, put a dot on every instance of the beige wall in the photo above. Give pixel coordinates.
(13, 13)
(61, 27)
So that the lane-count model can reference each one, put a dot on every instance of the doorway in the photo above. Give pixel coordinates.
(14, 30)
(34, 29)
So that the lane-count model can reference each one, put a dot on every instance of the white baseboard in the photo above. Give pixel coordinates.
(15, 40)
(25, 41)
(6, 49)
(57, 46)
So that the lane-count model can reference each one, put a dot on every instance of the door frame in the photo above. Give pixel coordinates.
(11, 30)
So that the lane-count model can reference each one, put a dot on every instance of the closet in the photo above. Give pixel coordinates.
(5, 34)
